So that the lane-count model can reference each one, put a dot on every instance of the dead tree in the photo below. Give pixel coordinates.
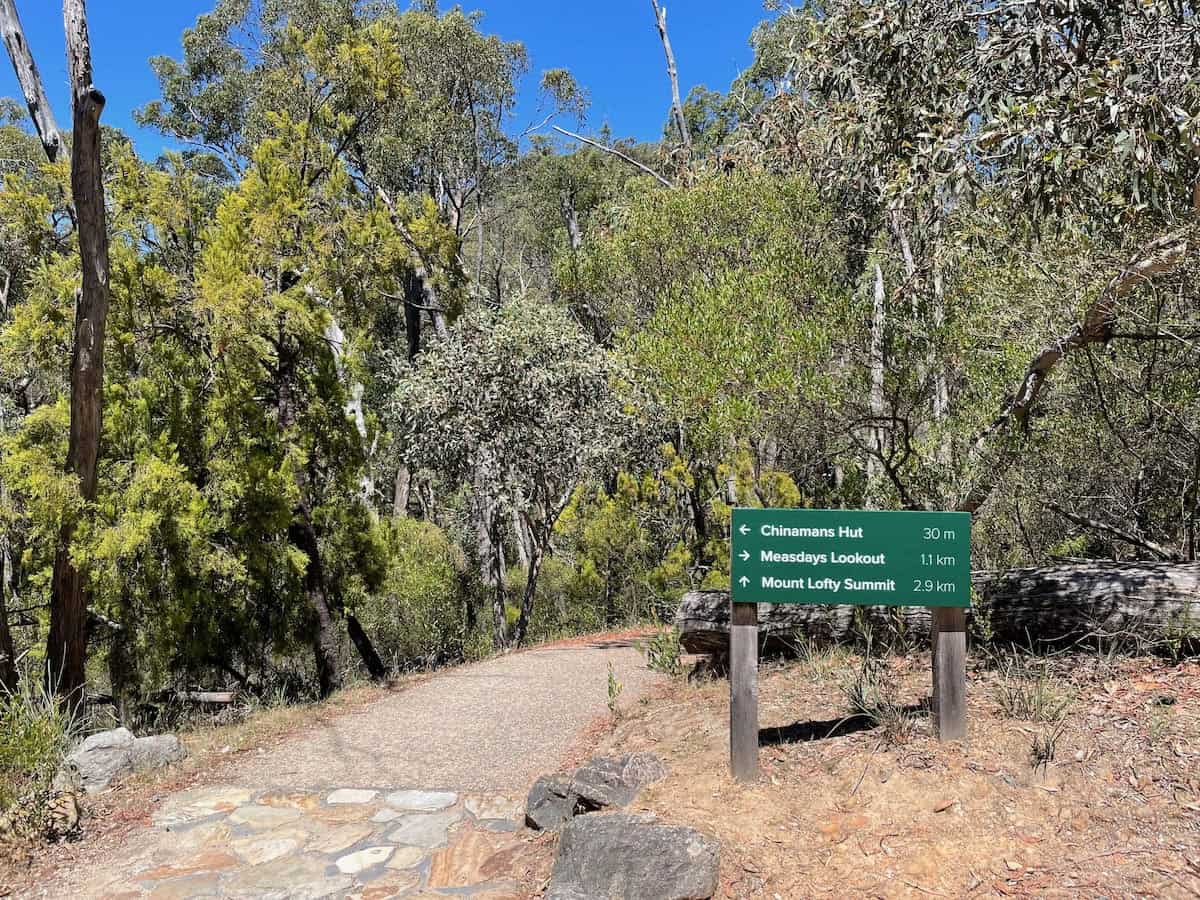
(660, 19)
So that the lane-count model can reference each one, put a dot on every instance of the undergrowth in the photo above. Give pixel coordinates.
(35, 735)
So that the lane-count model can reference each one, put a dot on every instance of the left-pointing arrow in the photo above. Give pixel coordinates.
(745, 529)
(745, 554)
(743, 581)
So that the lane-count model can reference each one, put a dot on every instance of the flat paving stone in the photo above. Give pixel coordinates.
(341, 838)
(406, 858)
(263, 848)
(263, 817)
(300, 800)
(395, 885)
(425, 829)
(292, 877)
(421, 801)
(201, 803)
(354, 863)
(190, 888)
(492, 807)
(350, 795)
(210, 861)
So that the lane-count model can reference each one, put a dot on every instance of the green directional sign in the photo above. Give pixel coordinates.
(851, 556)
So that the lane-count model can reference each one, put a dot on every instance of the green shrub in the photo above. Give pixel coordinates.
(663, 652)
(35, 734)
(417, 617)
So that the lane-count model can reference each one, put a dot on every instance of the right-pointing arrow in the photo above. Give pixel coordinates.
(743, 581)
(745, 554)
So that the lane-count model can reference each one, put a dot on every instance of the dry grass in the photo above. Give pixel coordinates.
(1100, 797)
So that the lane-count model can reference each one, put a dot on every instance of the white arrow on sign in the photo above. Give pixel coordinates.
(745, 554)
(745, 529)
(743, 581)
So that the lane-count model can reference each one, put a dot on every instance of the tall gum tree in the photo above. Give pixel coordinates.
(66, 646)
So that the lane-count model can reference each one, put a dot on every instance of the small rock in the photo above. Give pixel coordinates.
(621, 855)
(363, 860)
(550, 804)
(421, 801)
(349, 795)
(614, 781)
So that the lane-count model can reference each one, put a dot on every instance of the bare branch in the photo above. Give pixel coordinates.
(1162, 255)
(30, 79)
(660, 18)
(1119, 533)
(617, 153)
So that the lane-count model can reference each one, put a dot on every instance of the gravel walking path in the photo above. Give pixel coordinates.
(418, 795)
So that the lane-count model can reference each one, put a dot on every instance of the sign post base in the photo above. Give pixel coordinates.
(949, 673)
(743, 691)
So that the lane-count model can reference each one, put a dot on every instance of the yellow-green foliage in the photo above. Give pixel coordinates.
(416, 616)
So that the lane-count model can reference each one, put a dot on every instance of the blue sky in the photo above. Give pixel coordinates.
(611, 46)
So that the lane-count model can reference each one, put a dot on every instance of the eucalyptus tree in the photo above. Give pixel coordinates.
(524, 397)
(977, 128)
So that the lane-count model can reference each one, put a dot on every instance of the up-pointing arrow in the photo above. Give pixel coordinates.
(743, 581)
(745, 529)
(745, 554)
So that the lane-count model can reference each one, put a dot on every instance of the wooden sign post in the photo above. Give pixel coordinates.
(858, 557)
(743, 686)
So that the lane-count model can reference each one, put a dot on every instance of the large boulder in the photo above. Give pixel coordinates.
(619, 855)
(550, 804)
(109, 755)
(612, 782)
(607, 782)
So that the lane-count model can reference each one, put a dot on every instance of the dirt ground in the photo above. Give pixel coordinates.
(853, 808)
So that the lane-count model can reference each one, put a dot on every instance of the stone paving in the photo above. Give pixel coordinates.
(229, 841)
(322, 814)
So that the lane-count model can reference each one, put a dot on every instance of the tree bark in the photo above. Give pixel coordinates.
(66, 648)
(8, 654)
(303, 536)
(878, 367)
(537, 553)
(29, 79)
(366, 650)
(403, 488)
(660, 19)
(491, 544)
(571, 221)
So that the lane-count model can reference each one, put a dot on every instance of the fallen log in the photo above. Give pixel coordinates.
(1144, 602)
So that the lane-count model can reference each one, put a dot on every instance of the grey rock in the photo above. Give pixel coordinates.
(425, 829)
(156, 752)
(109, 755)
(550, 804)
(621, 855)
(614, 781)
